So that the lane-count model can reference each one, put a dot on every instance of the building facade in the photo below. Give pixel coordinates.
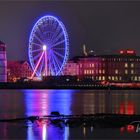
(18, 69)
(122, 67)
(71, 68)
(3, 63)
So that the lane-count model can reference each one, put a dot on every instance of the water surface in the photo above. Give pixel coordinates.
(21, 103)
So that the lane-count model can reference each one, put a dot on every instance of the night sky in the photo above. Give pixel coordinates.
(104, 27)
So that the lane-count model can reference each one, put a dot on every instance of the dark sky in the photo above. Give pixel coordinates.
(103, 26)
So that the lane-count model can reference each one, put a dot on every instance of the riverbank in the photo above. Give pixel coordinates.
(44, 85)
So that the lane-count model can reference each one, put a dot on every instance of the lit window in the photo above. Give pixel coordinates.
(120, 78)
(109, 77)
(103, 78)
(100, 71)
(136, 78)
(85, 72)
(100, 78)
(126, 65)
(116, 71)
(103, 71)
(89, 71)
(93, 65)
(112, 77)
(132, 71)
(132, 65)
(116, 78)
(126, 71)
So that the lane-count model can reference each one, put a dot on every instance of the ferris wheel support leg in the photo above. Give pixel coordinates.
(37, 65)
(46, 64)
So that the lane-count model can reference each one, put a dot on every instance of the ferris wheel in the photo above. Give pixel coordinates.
(48, 46)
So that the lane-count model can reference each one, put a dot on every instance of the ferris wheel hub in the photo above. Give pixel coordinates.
(44, 47)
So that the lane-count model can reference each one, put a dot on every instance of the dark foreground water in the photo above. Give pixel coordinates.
(22, 103)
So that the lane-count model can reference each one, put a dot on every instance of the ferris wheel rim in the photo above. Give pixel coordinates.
(66, 42)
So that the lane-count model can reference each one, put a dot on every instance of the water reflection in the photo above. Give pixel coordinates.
(43, 102)
(19, 103)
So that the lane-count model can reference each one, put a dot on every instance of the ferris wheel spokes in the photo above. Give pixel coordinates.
(59, 54)
(36, 44)
(58, 43)
(37, 56)
(33, 51)
(58, 37)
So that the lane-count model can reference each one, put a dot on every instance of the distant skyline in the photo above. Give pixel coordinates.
(104, 26)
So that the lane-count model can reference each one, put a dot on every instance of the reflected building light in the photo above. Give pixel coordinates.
(91, 128)
(36, 102)
(66, 133)
(127, 109)
(84, 131)
(30, 134)
(130, 108)
(44, 132)
(64, 106)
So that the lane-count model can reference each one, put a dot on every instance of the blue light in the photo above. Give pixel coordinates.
(56, 38)
(43, 102)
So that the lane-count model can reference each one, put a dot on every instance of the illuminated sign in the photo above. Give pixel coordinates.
(127, 52)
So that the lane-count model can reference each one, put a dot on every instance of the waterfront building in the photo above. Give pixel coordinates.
(3, 63)
(71, 68)
(121, 67)
(18, 69)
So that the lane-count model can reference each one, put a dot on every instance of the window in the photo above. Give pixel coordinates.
(132, 71)
(85, 72)
(132, 65)
(100, 78)
(120, 78)
(126, 71)
(135, 78)
(103, 78)
(113, 78)
(116, 71)
(96, 71)
(100, 71)
(116, 78)
(93, 65)
(126, 65)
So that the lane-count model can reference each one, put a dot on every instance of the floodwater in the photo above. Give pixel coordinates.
(23, 103)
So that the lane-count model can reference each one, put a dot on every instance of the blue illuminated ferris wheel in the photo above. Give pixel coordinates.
(48, 46)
